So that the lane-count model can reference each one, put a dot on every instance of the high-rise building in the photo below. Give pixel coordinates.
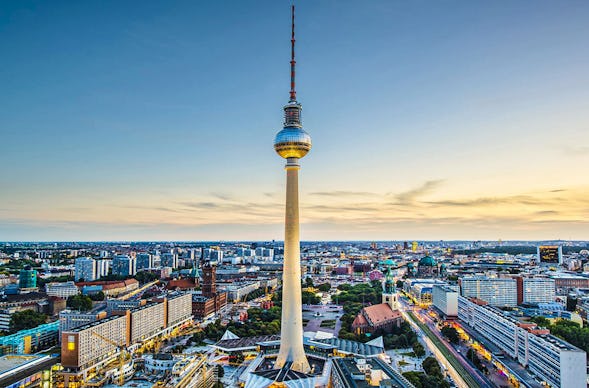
(445, 299)
(292, 143)
(169, 260)
(124, 265)
(216, 255)
(538, 290)
(553, 360)
(495, 291)
(85, 269)
(144, 261)
(102, 267)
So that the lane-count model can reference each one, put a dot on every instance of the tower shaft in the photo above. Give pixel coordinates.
(291, 341)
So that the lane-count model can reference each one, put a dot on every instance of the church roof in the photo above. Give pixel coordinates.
(379, 313)
(360, 321)
(427, 261)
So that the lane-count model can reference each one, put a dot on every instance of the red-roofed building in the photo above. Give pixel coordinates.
(184, 284)
(377, 317)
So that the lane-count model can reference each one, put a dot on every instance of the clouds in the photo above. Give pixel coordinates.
(433, 209)
(408, 197)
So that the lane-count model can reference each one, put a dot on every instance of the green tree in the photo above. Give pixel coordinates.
(26, 319)
(310, 298)
(431, 367)
(79, 302)
(146, 277)
(450, 333)
(418, 349)
(325, 287)
(400, 284)
(571, 304)
(97, 296)
(414, 378)
(308, 282)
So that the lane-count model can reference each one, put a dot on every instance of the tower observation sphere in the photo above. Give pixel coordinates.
(292, 141)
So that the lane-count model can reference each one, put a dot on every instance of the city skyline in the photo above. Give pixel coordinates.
(463, 123)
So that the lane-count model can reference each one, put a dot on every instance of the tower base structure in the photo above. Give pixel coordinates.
(262, 373)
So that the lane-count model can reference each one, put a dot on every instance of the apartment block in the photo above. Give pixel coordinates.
(538, 290)
(445, 300)
(553, 360)
(494, 291)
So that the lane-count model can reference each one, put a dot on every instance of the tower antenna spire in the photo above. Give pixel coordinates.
(293, 93)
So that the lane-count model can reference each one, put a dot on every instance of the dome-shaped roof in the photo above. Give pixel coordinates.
(389, 262)
(427, 261)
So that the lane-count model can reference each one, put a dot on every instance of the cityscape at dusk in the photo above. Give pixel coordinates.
(172, 217)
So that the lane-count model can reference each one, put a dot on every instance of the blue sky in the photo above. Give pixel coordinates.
(430, 120)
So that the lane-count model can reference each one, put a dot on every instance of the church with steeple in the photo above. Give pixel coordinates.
(389, 291)
(380, 317)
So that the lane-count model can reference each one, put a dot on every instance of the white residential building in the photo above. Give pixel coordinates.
(61, 290)
(495, 291)
(445, 299)
(553, 360)
(85, 269)
(538, 290)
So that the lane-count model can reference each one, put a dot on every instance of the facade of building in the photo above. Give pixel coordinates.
(144, 261)
(382, 317)
(27, 278)
(85, 347)
(61, 290)
(102, 268)
(568, 281)
(445, 300)
(365, 372)
(538, 290)
(110, 288)
(69, 319)
(179, 309)
(85, 269)
(31, 340)
(210, 301)
(553, 360)
(427, 267)
(169, 260)
(124, 265)
(495, 291)
(238, 291)
(148, 320)
(420, 290)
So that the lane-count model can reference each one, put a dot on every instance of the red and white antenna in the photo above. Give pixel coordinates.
(293, 93)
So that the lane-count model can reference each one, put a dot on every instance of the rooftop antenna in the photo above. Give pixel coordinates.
(293, 93)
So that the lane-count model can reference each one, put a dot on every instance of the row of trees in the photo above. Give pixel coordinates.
(259, 322)
(308, 297)
(26, 319)
(79, 302)
(451, 334)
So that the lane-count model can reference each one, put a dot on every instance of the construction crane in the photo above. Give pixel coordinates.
(122, 353)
